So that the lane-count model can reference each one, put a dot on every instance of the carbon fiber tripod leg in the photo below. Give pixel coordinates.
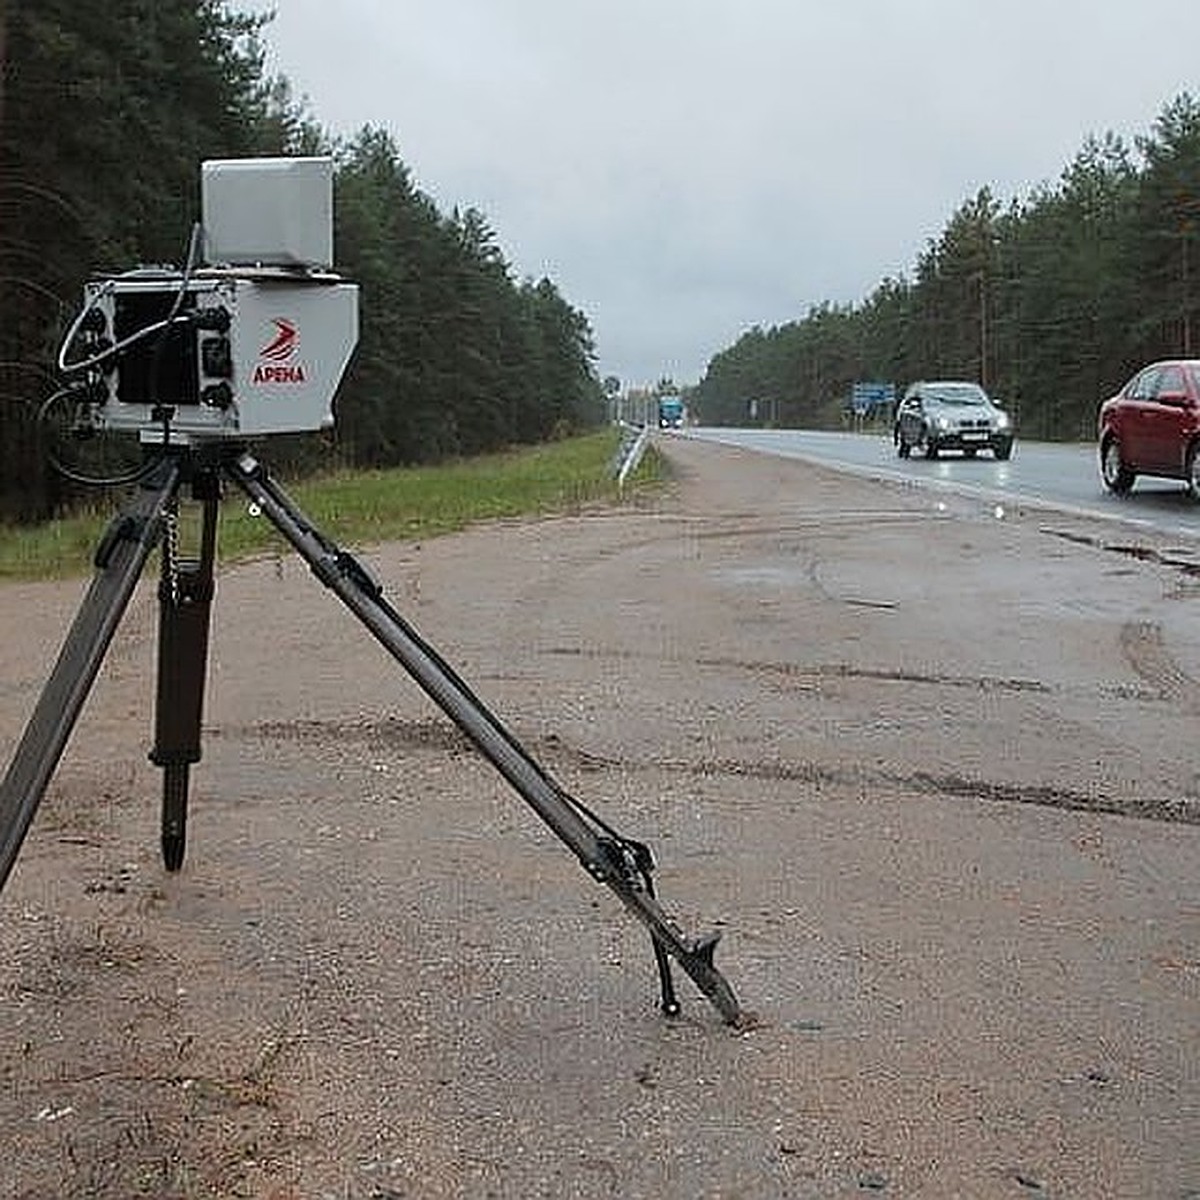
(119, 560)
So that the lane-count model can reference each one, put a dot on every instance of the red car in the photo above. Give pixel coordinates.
(1152, 427)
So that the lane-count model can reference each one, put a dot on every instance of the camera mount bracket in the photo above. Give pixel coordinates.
(185, 598)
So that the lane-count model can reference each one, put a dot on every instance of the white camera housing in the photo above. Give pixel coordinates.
(269, 212)
(254, 344)
(247, 356)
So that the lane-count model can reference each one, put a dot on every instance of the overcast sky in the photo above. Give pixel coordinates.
(686, 169)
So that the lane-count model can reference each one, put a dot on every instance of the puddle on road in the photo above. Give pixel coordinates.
(766, 576)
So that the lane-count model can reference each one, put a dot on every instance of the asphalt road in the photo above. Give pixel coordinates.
(1054, 475)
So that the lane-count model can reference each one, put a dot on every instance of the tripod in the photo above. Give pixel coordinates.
(186, 591)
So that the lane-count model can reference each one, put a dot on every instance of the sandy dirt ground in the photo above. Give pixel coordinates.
(931, 768)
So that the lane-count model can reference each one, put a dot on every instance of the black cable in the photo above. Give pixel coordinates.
(134, 475)
(163, 329)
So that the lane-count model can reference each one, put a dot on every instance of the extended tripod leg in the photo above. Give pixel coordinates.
(119, 560)
(185, 595)
(624, 865)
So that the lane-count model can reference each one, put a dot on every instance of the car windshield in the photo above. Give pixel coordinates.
(955, 393)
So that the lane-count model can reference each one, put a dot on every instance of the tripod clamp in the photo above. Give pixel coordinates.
(185, 596)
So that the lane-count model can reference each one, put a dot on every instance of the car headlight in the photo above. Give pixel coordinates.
(943, 423)
(1002, 420)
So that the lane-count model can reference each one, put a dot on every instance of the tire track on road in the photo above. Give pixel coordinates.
(1144, 649)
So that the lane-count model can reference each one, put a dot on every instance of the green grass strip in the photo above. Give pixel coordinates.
(368, 507)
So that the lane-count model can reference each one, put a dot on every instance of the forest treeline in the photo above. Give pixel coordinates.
(107, 111)
(1051, 301)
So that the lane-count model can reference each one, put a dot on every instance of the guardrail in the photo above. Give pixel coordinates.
(634, 440)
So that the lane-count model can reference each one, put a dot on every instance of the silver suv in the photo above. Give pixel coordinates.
(949, 415)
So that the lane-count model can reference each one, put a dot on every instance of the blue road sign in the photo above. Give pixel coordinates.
(866, 396)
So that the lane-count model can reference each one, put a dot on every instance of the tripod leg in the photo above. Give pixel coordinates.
(119, 560)
(185, 602)
(622, 864)
(174, 814)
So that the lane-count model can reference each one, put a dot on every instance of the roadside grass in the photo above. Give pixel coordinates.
(357, 508)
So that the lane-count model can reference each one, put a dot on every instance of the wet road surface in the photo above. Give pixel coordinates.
(1059, 476)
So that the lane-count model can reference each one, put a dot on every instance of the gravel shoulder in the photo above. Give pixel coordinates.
(930, 769)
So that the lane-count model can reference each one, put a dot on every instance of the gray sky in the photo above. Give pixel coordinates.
(686, 169)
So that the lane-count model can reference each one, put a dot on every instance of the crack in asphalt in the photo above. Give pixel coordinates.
(1181, 560)
(842, 670)
(1182, 810)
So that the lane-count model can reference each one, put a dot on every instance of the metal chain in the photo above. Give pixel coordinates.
(170, 549)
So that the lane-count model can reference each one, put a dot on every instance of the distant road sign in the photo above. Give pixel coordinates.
(866, 396)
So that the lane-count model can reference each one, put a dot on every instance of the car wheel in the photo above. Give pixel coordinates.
(1192, 475)
(1118, 478)
(1003, 450)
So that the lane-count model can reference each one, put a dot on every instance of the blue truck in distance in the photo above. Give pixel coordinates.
(670, 412)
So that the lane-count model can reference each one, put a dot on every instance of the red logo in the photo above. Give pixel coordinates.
(283, 344)
(277, 351)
